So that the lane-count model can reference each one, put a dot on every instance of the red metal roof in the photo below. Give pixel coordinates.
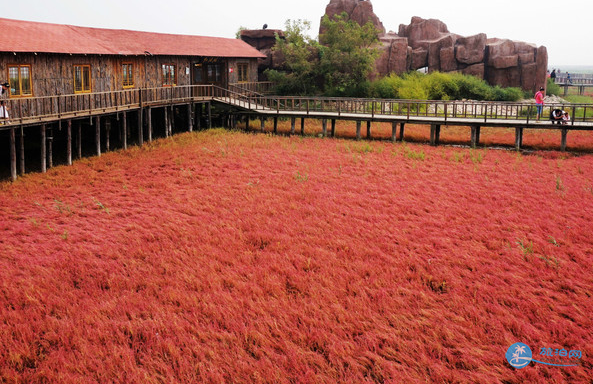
(29, 36)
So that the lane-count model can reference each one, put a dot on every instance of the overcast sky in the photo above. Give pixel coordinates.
(566, 34)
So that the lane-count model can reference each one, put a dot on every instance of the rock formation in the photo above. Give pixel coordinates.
(428, 43)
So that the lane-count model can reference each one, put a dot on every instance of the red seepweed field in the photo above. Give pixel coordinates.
(230, 257)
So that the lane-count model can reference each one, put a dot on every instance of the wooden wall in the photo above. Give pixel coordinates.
(53, 73)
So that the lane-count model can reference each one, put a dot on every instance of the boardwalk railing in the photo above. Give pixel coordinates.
(44, 109)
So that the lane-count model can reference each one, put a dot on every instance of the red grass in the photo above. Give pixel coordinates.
(220, 257)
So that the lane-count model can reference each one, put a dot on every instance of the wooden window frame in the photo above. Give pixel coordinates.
(242, 72)
(166, 79)
(86, 88)
(129, 82)
(20, 84)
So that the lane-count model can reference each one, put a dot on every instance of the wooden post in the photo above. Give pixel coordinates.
(324, 127)
(79, 140)
(166, 122)
(190, 120)
(368, 129)
(209, 115)
(149, 123)
(435, 133)
(50, 148)
(98, 135)
(358, 125)
(43, 150)
(475, 136)
(124, 124)
(292, 125)
(275, 124)
(263, 123)
(199, 117)
(22, 154)
(107, 134)
(518, 138)
(333, 129)
(394, 131)
(563, 141)
(12, 154)
(302, 126)
(140, 127)
(247, 122)
(172, 120)
(402, 127)
(69, 142)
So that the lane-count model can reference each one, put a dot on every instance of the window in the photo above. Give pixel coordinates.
(169, 75)
(82, 78)
(214, 73)
(243, 72)
(128, 75)
(19, 77)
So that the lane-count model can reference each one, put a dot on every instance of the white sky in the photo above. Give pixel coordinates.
(566, 35)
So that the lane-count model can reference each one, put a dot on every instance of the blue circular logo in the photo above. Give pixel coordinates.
(519, 355)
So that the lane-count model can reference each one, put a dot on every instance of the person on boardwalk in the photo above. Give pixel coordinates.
(565, 118)
(553, 75)
(539, 102)
(4, 90)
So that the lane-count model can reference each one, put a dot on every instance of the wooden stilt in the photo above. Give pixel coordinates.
(263, 123)
(50, 148)
(149, 122)
(394, 131)
(43, 150)
(107, 135)
(368, 129)
(199, 117)
(402, 127)
(518, 138)
(124, 125)
(292, 125)
(275, 124)
(140, 127)
(190, 118)
(98, 135)
(563, 140)
(358, 126)
(166, 122)
(302, 126)
(13, 174)
(435, 134)
(22, 151)
(172, 121)
(79, 140)
(69, 142)
(333, 129)
(324, 127)
(475, 136)
(209, 115)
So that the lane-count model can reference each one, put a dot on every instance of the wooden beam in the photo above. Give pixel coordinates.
(394, 131)
(368, 129)
(22, 154)
(333, 129)
(475, 136)
(518, 138)
(13, 174)
(149, 122)
(402, 127)
(563, 140)
(124, 125)
(358, 126)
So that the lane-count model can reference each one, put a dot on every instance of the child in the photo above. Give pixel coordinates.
(565, 118)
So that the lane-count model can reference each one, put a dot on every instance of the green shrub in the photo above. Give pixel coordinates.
(553, 88)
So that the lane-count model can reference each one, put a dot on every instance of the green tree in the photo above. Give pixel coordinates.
(348, 53)
(299, 52)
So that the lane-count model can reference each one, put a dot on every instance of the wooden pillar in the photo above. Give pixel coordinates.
(149, 123)
(247, 119)
(292, 125)
(435, 134)
(394, 131)
(140, 127)
(402, 127)
(324, 127)
(107, 135)
(50, 148)
(124, 126)
(368, 129)
(275, 124)
(358, 125)
(43, 150)
(166, 122)
(302, 126)
(12, 154)
(518, 138)
(98, 135)
(69, 142)
(209, 115)
(172, 120)
(475, 136)
(199, 117)
(563, 141)
(263, 123)
(190, 120)
(333, 129)
(79, 140)
(22, 154)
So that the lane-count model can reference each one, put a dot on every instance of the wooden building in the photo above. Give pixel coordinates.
(42, 59)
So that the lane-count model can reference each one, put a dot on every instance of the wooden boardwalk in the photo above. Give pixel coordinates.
(63, 110)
